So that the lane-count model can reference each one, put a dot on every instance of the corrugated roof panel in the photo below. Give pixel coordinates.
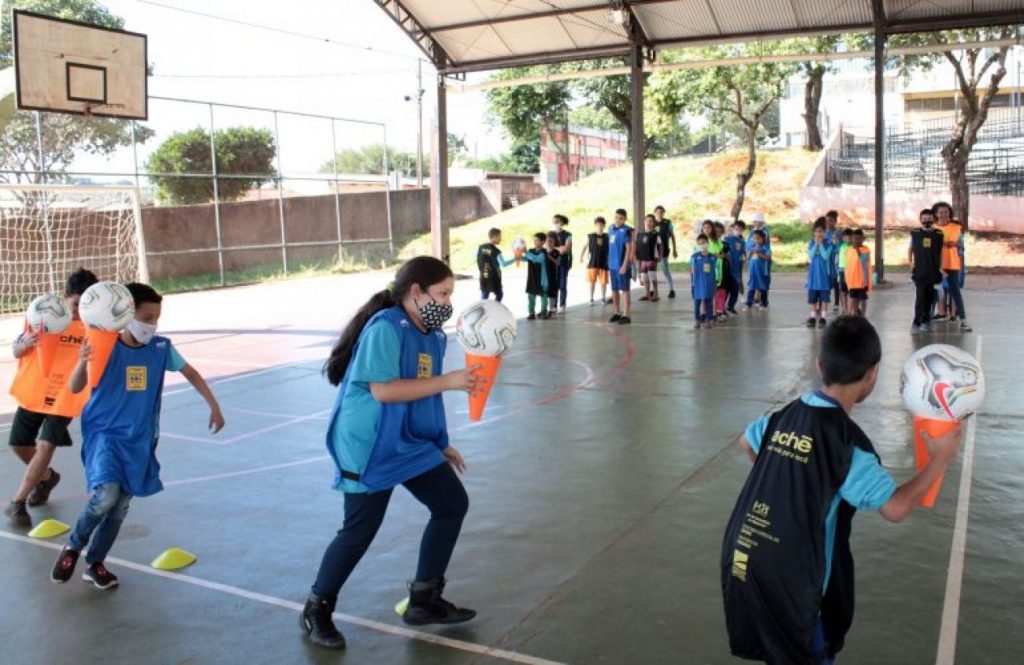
(591, 29)
(743, 16)
(824, 13)
(479, 43)
(676, 20)
(549, 34)
(913, 9)
(451, 12)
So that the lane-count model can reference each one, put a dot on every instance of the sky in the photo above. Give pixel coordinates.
(202, 58)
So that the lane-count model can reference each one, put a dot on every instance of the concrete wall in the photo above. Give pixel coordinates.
(191, 230)
(856, 205)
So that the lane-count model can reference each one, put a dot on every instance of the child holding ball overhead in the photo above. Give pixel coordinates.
(388, 429)
(120, 429)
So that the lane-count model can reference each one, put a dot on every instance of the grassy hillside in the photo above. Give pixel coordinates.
(690, 188)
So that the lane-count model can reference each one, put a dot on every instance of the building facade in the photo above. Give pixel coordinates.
(567, 157)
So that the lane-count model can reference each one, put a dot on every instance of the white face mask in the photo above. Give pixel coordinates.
(142, 332)
(702, 247)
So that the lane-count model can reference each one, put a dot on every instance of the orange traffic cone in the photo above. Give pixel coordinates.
(102, 343)
(46, 352)
(519, 256)
(488, 369)
(935, 429)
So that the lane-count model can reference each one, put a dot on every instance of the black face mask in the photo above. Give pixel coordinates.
(927, 225)
(434, 314)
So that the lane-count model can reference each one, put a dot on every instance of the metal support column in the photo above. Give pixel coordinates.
(439, 198)
(280, 199)
(636, 77)
(216, 199)
(337, 195)
(879, 258)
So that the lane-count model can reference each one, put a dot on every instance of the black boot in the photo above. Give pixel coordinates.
(316, 621)
(427, 606)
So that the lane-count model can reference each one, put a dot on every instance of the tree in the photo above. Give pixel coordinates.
(814, 71)
(456, 148)
(524, 111)
(971, 66)
(370, 160)
(523, 158)
(741, 94)
(600, 118)
(63, 135)
(241, 151)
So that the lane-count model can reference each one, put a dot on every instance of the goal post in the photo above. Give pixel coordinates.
(48, 231)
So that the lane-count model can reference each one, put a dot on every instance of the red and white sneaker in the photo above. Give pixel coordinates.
(100, 577)
(64, 568)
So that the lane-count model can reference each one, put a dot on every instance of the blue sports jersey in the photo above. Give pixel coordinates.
(760, 277)
(618, 245)
(867, 486)
(120, 422)
(702, 270)
(376, 446)
(819, 267)
(736, 247)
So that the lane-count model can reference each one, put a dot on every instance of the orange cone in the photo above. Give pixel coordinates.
(102, 343)
(488, 369)
(935, 429)
(46, 352)
(519, 256)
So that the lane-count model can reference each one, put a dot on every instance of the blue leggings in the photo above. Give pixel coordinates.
(708, 309)
(439, 489)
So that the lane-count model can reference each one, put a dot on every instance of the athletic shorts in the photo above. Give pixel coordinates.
(859, 294)
(597, 276)
(815, 297)
(620, 282)
(648, 266)
(29, 426)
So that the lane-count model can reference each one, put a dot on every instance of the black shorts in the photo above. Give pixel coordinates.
(29, 426)
(859, 294)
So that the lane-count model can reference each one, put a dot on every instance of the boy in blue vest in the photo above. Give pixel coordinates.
(819, 274)
(786, 565)
(120, 430)
(621, 255)
(705, 268)
(735, 246)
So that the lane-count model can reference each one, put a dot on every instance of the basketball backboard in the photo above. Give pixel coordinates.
(70, 67)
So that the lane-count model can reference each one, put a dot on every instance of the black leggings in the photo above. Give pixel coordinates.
(439, 489)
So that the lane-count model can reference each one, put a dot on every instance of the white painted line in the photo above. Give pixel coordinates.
(398, 631)
(238, 377)
(246, 472)
(270, 428)
(268, 414)
(955, 577)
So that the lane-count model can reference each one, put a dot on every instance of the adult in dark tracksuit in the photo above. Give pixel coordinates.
(925, 257)
(388, 429)
(564, 246)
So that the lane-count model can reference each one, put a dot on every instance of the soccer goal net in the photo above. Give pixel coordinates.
(48, 231)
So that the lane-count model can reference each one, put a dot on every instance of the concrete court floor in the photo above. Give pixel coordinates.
(600, 481)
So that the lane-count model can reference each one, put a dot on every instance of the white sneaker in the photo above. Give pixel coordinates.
(964, 327)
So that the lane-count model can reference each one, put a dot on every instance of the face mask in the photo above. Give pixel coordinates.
(927, 225)
(702, 248)
(142, 332)
(434, 314)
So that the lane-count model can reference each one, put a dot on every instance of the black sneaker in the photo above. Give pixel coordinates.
(811, 322)
(317, 623)
(671, 294)
(532, 317)
(624, 321)
(427, 606)
(615, 318)
(64, 568)
(822, 322)
(100, 577)
(732, 310)
(41, 492)
(17, 515)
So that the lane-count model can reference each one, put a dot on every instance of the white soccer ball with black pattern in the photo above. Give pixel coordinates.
(49, 314)
(487, 328)
(107, 306)
(942, 382)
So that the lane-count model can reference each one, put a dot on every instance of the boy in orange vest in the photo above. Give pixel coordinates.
(858, 274)
(45, 405)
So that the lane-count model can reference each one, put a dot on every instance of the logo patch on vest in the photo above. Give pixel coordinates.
(790, 444)
(425, 366)
(927, 242)
(135, 378)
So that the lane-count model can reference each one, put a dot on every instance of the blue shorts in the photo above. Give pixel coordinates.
(815, 297)
(620, 282)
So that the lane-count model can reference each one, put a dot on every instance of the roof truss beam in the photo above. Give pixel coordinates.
(420, 36)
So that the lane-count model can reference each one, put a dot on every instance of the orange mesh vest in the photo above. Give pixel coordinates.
(49, 393)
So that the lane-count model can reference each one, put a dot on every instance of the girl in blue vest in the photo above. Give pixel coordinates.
(388, 429)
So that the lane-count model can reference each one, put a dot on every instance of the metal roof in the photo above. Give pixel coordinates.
(472, 35)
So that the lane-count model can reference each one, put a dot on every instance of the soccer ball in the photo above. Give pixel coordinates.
(107, 306)
(49, 314)
(942, 382)
(487, 328)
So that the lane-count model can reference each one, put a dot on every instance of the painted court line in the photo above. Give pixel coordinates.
(397, 631)
(955, 577)
(238, 377)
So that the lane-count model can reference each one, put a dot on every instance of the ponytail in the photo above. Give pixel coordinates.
(424, 271)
